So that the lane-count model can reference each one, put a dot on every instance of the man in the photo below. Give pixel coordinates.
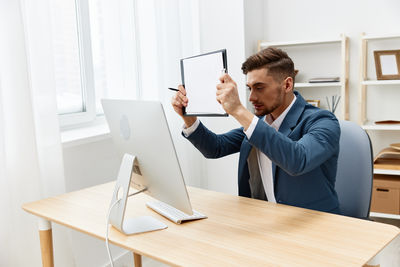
(288, 149)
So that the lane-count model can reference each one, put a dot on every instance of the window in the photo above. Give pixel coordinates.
(66, 57)
(94, 56)
(117, 49)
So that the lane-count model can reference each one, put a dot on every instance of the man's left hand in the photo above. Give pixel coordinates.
(227, 94)
(228, 97)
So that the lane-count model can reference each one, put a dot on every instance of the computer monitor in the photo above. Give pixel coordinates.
(140, 128)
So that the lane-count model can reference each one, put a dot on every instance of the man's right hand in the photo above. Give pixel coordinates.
(178, 101)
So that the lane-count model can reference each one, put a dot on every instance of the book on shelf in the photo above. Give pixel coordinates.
(324, 80)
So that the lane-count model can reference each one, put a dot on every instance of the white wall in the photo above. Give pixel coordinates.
(289, 20)
(222, 26)
(253, 29)
(86, 165)
(253, 25)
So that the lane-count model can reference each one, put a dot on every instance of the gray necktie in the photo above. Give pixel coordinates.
(255, 181)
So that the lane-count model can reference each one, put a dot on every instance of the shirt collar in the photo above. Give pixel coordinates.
(277, 123)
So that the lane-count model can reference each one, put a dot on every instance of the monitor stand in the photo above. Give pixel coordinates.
(129, 167)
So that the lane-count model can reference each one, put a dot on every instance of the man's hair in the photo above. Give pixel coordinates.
(275, 60)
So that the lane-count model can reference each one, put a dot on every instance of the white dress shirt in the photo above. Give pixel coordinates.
(264, 163)
(188, 131)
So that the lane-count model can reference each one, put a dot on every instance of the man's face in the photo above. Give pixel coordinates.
(266, 94)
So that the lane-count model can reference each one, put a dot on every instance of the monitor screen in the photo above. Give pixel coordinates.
(140, 129)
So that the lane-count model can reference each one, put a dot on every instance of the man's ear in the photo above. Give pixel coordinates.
(288, 84)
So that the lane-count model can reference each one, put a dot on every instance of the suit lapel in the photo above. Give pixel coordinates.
(293, 115)
(290, 121)
(244, 154)
(246, 149)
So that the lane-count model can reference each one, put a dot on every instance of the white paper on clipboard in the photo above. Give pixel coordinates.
(200, 75)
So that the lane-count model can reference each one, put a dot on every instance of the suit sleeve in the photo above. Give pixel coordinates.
(319, 143)
(213, 145)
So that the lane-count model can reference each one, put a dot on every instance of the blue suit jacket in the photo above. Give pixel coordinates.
(304, 155)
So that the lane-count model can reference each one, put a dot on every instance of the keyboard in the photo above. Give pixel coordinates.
(173, 214)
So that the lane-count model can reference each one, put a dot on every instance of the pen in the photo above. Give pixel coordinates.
(173, 89)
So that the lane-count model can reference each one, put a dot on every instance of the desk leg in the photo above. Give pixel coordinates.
(46, 242)
(137, 259)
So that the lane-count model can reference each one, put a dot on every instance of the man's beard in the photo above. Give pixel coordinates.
(278, 102)
(267, 111)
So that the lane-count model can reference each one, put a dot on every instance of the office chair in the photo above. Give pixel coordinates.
(354, 171)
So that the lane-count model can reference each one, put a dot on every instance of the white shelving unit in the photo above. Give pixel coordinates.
(343, 41)
(368, 125)
(365, 82)
(386, 172)
(305, 85)
(263, 44)
(380, 82)
(384, 215)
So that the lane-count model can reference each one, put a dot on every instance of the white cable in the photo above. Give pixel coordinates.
(108, 222)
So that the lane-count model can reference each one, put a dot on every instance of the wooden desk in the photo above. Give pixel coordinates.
(239, 231)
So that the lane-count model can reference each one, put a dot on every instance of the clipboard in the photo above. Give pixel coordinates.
(200, 75)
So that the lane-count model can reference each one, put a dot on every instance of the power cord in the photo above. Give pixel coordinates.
(108, 222)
